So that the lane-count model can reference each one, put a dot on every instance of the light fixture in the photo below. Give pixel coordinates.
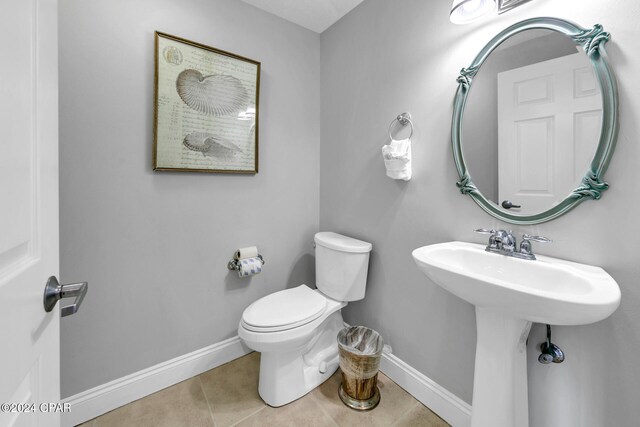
(507, 5)
(465, 11)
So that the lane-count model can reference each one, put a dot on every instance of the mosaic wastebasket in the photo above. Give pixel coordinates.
(360, 350)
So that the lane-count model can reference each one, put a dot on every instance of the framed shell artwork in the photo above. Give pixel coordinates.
(205, 108)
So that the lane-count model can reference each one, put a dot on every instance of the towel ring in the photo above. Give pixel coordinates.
(404, 119)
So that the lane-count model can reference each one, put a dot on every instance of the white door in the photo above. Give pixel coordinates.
(549, 118)
(29, 337)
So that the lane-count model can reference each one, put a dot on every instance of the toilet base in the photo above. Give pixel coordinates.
(287, 376)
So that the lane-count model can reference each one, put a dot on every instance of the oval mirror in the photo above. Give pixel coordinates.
(535, 121)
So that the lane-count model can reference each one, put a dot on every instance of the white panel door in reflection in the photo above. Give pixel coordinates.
(549, 117)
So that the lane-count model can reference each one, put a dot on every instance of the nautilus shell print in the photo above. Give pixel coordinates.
(216, 95)
(212, 146)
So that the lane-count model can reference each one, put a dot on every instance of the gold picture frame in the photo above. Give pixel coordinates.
(205, 108)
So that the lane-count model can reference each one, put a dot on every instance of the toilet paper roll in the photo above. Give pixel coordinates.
(249, 267)
(249, 252)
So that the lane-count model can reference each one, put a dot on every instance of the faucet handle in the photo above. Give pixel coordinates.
(493, 238)
(540, 239)
(484, 231)
(526, 251)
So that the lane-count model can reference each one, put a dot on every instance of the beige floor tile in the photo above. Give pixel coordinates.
(394, 403)
(232, 390)
(303, 412)
(421, 416)
(183, 404)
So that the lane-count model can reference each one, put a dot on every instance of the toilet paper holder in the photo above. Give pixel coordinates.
(234, 264)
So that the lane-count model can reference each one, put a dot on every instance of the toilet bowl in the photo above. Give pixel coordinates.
(296, 357)
(295, 329)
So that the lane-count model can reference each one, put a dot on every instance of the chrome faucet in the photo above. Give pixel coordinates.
(500, 241)
(504, 242)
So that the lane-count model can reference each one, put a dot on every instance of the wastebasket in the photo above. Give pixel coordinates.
(360, 350)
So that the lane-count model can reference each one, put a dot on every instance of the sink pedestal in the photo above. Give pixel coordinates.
(519, 292)
(500, 380)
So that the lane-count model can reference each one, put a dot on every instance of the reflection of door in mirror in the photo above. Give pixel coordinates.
(549, 119)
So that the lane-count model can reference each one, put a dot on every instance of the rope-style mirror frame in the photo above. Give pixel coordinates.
(592, 186)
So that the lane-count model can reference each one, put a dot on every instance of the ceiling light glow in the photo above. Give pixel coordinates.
(465, 11)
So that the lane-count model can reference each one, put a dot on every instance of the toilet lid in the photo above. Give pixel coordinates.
(284, 309)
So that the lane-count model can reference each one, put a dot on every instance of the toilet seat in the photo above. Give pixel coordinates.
(284, 310)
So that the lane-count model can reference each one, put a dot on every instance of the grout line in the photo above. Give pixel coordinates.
(417, 403)
(406, 414)
(248, 416)
(324, 411)
(207, 399)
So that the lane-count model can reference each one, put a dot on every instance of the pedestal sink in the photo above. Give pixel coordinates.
(509, 294)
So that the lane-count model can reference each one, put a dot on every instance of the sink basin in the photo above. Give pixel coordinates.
(547, 290)
(509, 294)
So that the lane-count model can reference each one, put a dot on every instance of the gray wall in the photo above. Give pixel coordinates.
(154, 246)
(386, 57)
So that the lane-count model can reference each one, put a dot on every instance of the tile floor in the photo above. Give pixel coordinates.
(228, 396)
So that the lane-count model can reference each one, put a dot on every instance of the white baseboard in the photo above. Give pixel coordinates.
(449, 407)
(107, 397)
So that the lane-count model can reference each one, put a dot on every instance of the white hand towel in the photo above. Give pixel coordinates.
(397, 159)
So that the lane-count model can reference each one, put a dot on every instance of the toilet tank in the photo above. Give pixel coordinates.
(341, 266)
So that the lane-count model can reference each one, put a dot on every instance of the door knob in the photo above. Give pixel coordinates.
(508, 205)
(54, 291)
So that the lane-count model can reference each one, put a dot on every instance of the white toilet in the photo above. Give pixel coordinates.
(296, 329)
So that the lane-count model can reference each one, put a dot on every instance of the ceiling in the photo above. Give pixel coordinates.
(316, 15)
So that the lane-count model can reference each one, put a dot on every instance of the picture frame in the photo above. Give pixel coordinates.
(206, 108)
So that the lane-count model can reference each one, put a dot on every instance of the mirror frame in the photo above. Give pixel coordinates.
(592, 40)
